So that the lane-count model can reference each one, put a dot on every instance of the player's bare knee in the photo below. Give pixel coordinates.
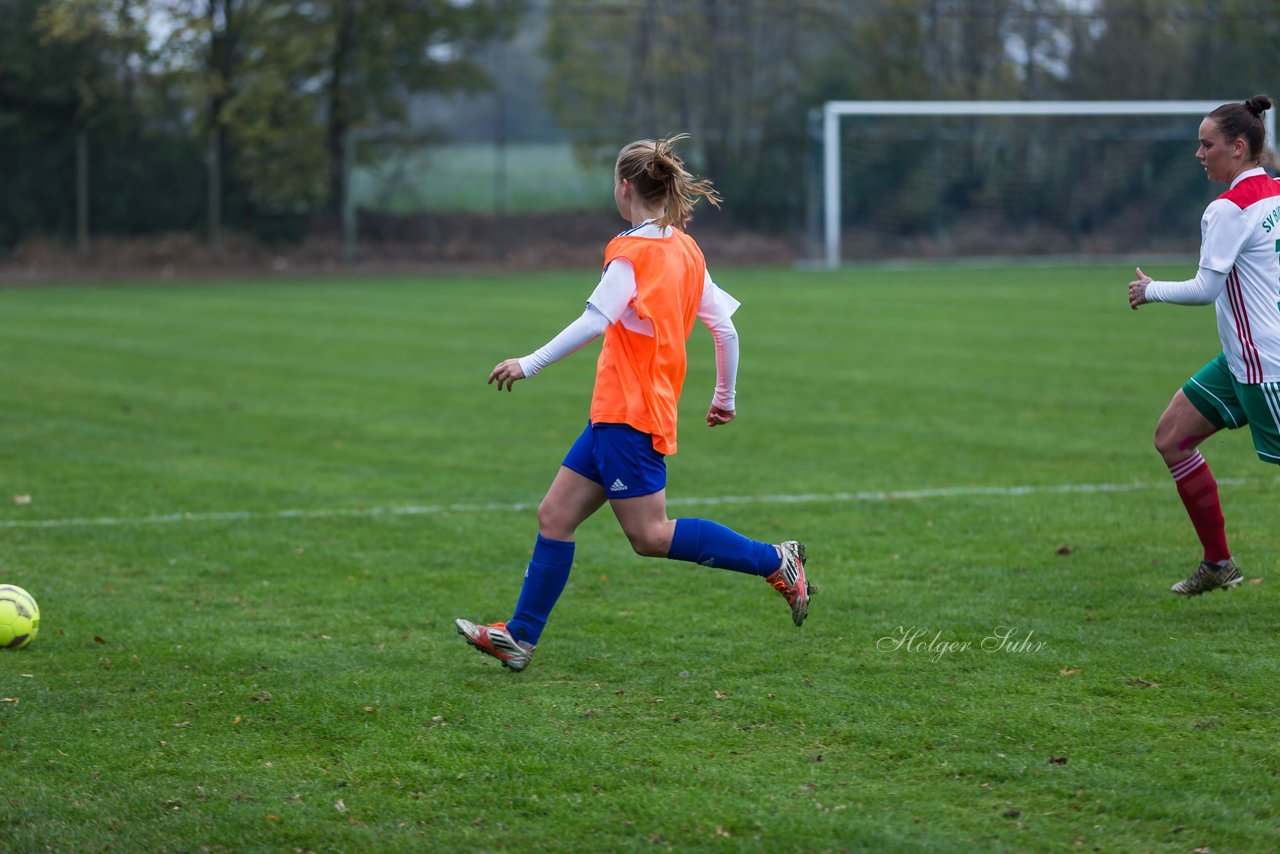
(1175, 445)
(553, 522)
(1168, 440)
(647, 543)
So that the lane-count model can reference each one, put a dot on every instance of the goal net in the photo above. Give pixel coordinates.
(1009, 178)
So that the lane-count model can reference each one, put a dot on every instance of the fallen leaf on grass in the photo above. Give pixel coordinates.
(1057, 760)
(22, 499)
(1255, 580)
(1064, 550)
(720, 695)
(8, 699)
(1142, 683)
(1069, 671)
(339, 805)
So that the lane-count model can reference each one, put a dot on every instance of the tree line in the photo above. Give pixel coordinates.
(200, 113)
(145, 116)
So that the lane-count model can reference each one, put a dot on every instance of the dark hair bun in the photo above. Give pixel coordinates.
(1258, 104)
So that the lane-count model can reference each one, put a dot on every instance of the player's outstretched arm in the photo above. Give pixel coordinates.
(587, 328)
(1206, 287)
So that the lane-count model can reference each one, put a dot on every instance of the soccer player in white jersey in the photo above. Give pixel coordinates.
(1239, 273)
(654, 287)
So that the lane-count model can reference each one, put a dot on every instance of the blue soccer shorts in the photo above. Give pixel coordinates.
(620, 458)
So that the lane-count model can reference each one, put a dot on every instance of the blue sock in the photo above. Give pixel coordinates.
(544, 581)
(711, 544)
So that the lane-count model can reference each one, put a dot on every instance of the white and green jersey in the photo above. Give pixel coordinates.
(1240, 274)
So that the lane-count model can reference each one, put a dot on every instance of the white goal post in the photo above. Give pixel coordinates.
(832, 111)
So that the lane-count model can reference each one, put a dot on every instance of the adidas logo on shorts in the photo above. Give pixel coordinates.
(617, 485)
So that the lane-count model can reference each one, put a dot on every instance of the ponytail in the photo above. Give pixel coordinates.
(659, 177)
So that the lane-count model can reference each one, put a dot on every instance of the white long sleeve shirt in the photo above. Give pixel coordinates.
(1239, 273)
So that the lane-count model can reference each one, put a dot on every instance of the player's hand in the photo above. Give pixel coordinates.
(716, 416)
(506, 372)
(1138, 289)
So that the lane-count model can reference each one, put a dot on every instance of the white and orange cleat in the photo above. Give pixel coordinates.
(495, 640)
(790, 580)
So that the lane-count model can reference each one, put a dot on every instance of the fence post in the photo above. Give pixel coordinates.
(215, 188)
(349, 236)
(82, 191)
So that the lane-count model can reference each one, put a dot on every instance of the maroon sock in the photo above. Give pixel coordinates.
(1199, 492)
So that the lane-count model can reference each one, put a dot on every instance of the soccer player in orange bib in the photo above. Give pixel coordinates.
(654, 286)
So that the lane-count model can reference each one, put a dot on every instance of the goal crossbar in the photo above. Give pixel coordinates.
(832, 111)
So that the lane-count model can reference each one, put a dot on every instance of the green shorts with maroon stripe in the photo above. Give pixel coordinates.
(1230, 404)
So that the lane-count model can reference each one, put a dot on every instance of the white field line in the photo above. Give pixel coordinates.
(706, 501)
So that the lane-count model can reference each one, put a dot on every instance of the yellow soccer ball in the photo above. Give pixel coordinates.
(19, 617)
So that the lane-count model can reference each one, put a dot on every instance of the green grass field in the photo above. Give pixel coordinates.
(256, 508)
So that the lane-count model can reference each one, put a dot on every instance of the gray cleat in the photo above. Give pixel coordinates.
(1209, 576)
